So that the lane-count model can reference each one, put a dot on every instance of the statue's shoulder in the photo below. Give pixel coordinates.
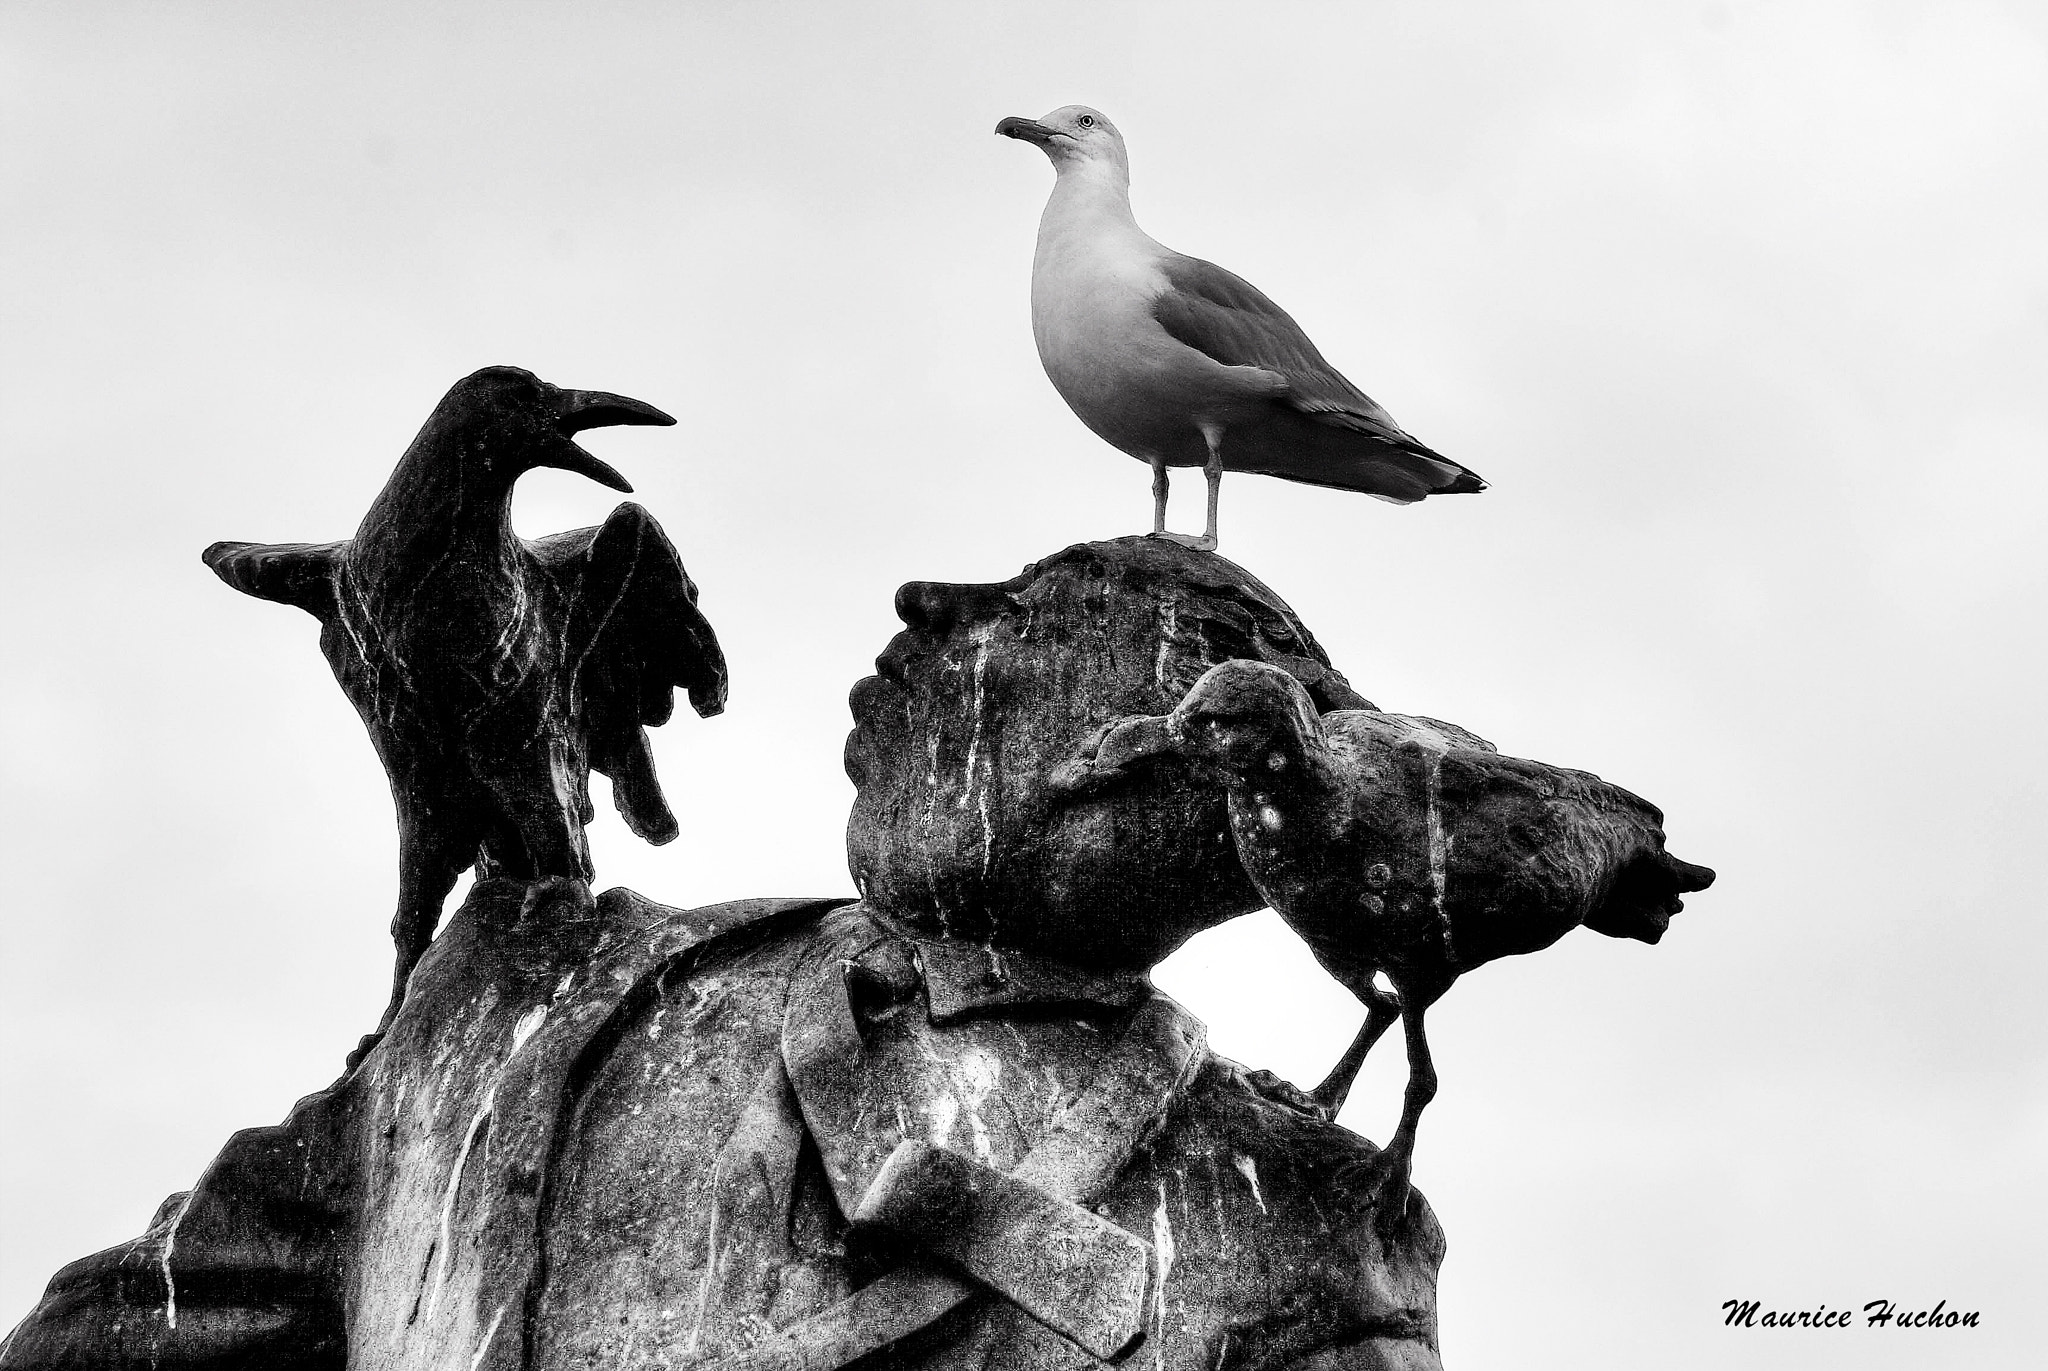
(623, 911)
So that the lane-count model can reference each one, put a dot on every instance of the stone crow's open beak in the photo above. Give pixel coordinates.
(1029, 130)
(577, 410)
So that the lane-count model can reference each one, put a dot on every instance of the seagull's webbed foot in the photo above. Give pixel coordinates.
(1201, 543)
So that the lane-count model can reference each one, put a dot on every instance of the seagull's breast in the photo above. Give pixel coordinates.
(1093, 286)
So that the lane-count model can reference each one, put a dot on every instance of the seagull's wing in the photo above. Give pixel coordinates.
(301, 574)
(636, 636)
(1227, 318)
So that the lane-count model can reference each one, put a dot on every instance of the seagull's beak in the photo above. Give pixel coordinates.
(577, 410)
(1029, 130)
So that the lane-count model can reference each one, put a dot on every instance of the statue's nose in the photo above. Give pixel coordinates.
(937, 606)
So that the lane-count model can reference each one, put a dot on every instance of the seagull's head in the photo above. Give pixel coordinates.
(1074, 137)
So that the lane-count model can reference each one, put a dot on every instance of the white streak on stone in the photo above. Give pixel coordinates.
(529, 1024)
(1162, 1248)
(695, 1342)
(1249, 1169)
(982, 1070)
(981, 639)
(1432, 786)
(489, 1333)
(945, 1112)
(1170, 621)
(988, 832)
(164, 1263)
(442, 1261)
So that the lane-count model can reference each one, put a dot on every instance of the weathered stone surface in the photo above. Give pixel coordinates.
(622, 1135)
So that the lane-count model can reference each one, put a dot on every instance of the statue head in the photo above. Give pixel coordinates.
(966, 818)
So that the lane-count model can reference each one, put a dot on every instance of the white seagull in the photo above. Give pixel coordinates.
(1183, 364)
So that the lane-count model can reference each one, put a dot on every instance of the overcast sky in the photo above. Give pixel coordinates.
(1742, 308)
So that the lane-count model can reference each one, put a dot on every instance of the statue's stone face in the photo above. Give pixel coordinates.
(963, 742)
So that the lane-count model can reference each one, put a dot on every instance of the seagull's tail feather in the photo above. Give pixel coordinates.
(1326, 450)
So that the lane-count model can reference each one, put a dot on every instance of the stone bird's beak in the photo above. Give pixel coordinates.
(1131, 741)
(1112, 752)
(577, 410)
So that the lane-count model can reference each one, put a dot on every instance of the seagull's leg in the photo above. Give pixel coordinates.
(1158, 497)
(1214, 471)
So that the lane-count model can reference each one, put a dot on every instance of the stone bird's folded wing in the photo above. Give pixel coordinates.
(636, 636)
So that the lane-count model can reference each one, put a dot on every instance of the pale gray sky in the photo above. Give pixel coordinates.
(1742, 308)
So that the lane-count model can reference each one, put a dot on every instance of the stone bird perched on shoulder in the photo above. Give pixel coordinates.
(493, 673)
(1408, 848)
(1182, 364)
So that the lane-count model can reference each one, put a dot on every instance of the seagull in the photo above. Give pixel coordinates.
(1183, 364)
(494, 673)
(1406, 848)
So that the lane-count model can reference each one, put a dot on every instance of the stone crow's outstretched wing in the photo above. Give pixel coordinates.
(635, 636)
(299, 574)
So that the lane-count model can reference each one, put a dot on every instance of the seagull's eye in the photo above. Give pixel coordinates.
(1087, 121)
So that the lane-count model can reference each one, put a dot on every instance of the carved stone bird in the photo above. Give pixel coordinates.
(493, 673)
(1182, 364)
(1408, 848)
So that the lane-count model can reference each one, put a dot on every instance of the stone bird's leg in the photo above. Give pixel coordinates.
(427, 868)
(540, 787)
(1381, 1010)
(1158, 497)
(1399, 1156)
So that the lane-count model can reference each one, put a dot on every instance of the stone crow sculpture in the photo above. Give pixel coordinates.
(1182, 364)
(493, 673)
(1408, 848)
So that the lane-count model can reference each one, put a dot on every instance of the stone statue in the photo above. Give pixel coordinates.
(1408, 848)
(948, 1124)
(494, 673)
